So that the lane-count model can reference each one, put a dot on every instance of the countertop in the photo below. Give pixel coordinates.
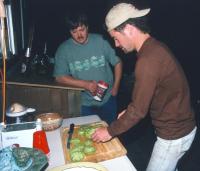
(56, 152)
(35, 80)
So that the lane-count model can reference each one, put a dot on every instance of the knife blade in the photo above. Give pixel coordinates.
(70, 132)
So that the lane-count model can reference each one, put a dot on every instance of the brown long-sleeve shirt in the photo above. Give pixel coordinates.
(160, 89)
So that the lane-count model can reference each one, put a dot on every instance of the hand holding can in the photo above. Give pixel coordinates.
(102, 86)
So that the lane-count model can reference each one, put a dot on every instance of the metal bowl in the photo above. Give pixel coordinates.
(50, 121)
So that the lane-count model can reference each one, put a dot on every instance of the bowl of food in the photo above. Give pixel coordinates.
(50, 121)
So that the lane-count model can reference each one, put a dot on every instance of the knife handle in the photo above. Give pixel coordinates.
(71, 127)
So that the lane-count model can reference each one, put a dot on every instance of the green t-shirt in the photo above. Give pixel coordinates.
(90, 61)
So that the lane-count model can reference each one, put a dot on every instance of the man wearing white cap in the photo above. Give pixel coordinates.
(160, 89)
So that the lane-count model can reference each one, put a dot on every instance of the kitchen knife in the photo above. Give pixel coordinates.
(70, 132)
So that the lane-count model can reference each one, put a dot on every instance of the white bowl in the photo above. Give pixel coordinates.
(50, 121)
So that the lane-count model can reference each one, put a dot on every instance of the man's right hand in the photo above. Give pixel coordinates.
(92, 87)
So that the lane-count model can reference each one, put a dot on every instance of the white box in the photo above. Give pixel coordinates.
(18, 133)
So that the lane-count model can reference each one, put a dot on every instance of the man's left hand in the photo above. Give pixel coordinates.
(101, 135)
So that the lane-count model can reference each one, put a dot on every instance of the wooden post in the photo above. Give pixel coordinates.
(4, 54)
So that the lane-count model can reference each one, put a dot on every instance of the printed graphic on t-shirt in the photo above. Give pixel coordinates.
(87, 64)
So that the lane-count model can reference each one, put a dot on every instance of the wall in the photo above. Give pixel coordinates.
(63, 101)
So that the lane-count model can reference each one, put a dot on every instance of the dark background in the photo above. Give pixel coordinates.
(175, 22)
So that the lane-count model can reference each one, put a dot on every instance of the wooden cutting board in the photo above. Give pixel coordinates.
(104, 151)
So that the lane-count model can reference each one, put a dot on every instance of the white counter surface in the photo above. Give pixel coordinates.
(56, 151)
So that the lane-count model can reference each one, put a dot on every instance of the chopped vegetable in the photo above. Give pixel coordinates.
(81, 131)
(82, 145)
(79, 146)
(88, 142)
(89, 132)
(77, 156)
(89, 150)
(75, 141)
(86, 131)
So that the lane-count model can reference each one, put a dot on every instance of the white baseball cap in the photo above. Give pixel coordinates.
(122, 12)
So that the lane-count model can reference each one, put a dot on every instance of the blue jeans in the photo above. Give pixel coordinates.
(166, 153)
(106, 112)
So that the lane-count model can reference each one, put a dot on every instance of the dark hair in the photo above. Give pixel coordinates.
(140, 22)
(75, 20)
